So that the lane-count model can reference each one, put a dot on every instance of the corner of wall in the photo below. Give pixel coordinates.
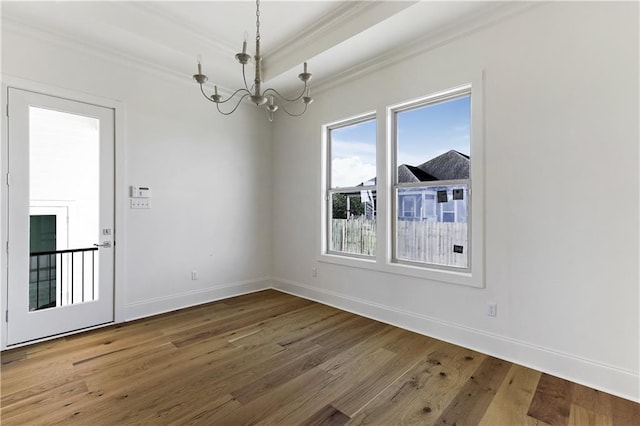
(174, 302)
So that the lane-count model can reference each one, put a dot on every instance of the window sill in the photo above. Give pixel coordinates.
(446, 276)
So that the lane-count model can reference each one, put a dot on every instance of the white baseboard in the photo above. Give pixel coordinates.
(160, 305)
(607, 378)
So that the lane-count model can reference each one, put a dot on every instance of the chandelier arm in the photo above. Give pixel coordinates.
(205, 95)
(234, 108)
(284, 98)
(234, 94)
(295, 115)
(244, 77)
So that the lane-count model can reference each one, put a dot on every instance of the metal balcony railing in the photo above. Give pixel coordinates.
(62, 277)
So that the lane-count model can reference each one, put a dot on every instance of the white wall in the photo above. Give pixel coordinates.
(561, 203)
(209, 175)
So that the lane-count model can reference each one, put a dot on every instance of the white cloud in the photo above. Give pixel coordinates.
(347, 149)
(350, 171)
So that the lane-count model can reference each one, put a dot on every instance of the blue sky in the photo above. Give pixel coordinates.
(423, 133)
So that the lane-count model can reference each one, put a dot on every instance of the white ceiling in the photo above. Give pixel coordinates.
(332, 36)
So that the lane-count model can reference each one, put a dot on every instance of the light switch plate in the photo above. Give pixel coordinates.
(140, 192)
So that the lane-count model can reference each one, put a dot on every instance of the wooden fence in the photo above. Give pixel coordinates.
(354, 236)
(418, 241)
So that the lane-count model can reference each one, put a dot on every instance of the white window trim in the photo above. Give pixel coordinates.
(475, 277)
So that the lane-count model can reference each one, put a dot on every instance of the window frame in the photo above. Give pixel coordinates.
(386, 175)
(393, 112)
(328, 190)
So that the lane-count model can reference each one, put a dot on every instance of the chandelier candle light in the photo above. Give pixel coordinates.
(267, 97)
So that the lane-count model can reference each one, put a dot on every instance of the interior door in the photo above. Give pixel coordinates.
(61, 216)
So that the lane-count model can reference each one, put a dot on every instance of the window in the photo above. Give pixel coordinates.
(351, 187)
(431, 191)
(416, 206)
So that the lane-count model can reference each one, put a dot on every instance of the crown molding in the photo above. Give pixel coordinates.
(322, 35)
(226, 47)
(425, 43)
(26, 29)
(324, 25)
(114, 56)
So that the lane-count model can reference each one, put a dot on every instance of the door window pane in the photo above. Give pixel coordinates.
(64, 175)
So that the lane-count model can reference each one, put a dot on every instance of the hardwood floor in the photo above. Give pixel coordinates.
(271, 358)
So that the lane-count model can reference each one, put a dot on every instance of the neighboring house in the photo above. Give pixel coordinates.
(421, 203)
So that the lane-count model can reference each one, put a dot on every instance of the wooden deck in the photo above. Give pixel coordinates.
(271, 358)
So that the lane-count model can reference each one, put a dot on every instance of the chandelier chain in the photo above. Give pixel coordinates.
(257, 19)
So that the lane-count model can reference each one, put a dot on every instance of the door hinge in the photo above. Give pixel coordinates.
(7, 247)
(8, 177)
(6, 315)
(7, 110)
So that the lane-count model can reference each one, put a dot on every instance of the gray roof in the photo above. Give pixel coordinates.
(451, 165)
(408, 173)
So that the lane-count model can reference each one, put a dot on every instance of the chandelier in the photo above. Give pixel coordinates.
(270, 97)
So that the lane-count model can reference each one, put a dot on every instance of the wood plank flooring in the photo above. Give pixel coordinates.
(274, 359)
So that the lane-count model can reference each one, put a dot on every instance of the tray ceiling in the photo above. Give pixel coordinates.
(333, 36)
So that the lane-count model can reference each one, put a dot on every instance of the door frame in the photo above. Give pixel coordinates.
(120, 196)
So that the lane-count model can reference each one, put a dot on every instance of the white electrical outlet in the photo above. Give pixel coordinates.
(314, 272)
(492, 309)
(194, 275)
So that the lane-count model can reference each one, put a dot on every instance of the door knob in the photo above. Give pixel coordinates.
(106, 244)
